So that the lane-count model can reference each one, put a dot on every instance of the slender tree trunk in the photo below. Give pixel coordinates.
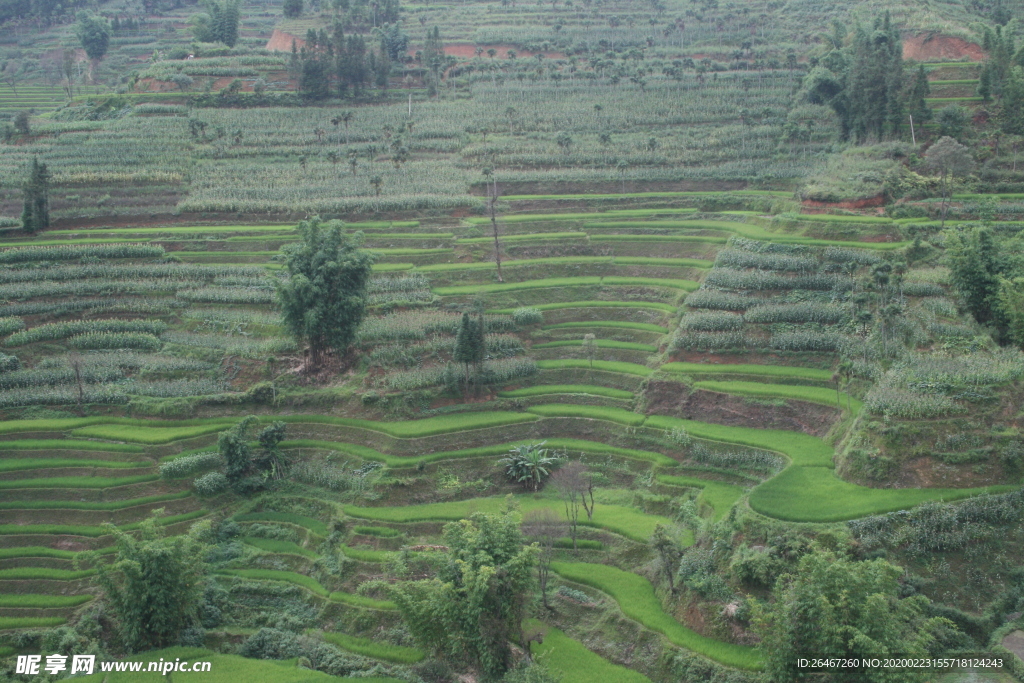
(494, 228)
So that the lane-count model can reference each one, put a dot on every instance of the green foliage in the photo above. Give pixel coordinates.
(637, 600)
(115, 340)
(476, 605)
(35, 214)
(324, 299)
(800, 393)
(374, 649)
(616, 324)
(278, 547)
(93, 33)
(528, 464)
(154, 585)
(573, 662)
(836, 607)
(604, 365)
(687, 285)
(25, 600)
(314, 525)
(594, 344)
(219, 24)
(63, 330)
(710, 322)
(618, 415)
(742, 369)
(544, 389)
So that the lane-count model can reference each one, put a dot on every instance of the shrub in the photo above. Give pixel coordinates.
(806, 341)
(711, 322)
(272, 643)
(74, 252)
(573, 594)
(64, 330)
(211, 484)
(11, 324)
(719, 300)
(804, 312)
(736, 258)
(9, 363)
(527, 316)
(190, 464)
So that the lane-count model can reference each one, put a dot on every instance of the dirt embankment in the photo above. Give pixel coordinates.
(282, 42)
(927, 47)
(669, 398)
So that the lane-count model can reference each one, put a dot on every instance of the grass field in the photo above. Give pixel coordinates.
(593, 304)
(601, 344)
(744, 369)
(622, 520)
(603, 365)
(719, 496)
(801, 393)
(374, 649)
(27, 600)
(638, 601)
(625, 417)
(544, 389)
(573, 662)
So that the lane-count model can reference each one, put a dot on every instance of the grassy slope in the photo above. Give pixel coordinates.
(637, 600)
(574, 663)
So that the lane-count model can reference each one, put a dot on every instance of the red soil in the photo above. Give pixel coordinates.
(933, 46)
(282, 42)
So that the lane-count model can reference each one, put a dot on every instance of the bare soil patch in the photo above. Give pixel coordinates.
(935, 46)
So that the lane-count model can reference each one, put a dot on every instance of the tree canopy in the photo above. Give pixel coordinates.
(154, 584)
(475, 606)
(835, 607)
(324, 298)
(35, 213)
(93, 33)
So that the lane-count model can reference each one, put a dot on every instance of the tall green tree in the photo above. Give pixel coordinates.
(465, 337)
(1010, 301)
(154, 584)
(93, 33)
(917, 106)
(473, 609)
(35, 212)
(835, 607)
(863, 82)
(950, 160)
(975, 265)
(323, 300)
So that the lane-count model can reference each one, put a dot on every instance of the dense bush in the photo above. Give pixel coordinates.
(527, 316)
(806, 341)
(9, 363)
(72, 252)
(11, 324)
(211, 484)
(115, 340)
(190, 464)
(719, 300)
(804, 312)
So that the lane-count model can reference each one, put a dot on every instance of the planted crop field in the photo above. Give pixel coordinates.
(353, 335)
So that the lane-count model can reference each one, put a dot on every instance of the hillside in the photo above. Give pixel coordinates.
(695, 346)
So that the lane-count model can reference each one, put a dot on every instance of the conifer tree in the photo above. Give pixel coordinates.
(35, 215)
(479, 345)
(464, 340)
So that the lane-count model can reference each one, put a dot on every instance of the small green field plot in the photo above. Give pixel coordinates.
(600, 343)
(668, 308)
(637, 600)
(30, 622)
(374, 649)
(29, 601)
(744, 369)
(75, 482)
(314, 525)
(646, 327)
(626, 521)
(790, 391)
(720, 497)
(69, 445)
(603, 365)
(149, 435)
(816, 494)
(574, 663)
(544, 389)
(685, 285)
(108, 505)
(45, 573)
(618, 415)
(274, 546)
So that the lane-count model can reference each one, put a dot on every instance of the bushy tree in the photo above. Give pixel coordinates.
(528, 464)
(219, 24)
(93, 33)
(292, 8)
(154, 585)
(474, 608)
(836, 607)
(950, 160)
(324, 298)
(35, 213)
(248, 471)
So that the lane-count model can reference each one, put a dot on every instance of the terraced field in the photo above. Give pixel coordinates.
(670, 308)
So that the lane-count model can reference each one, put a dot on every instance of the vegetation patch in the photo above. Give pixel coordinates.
(604, 365)
(543, 389)
(790, 391)
(574, 663)
(637, 600)
(374, 649)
